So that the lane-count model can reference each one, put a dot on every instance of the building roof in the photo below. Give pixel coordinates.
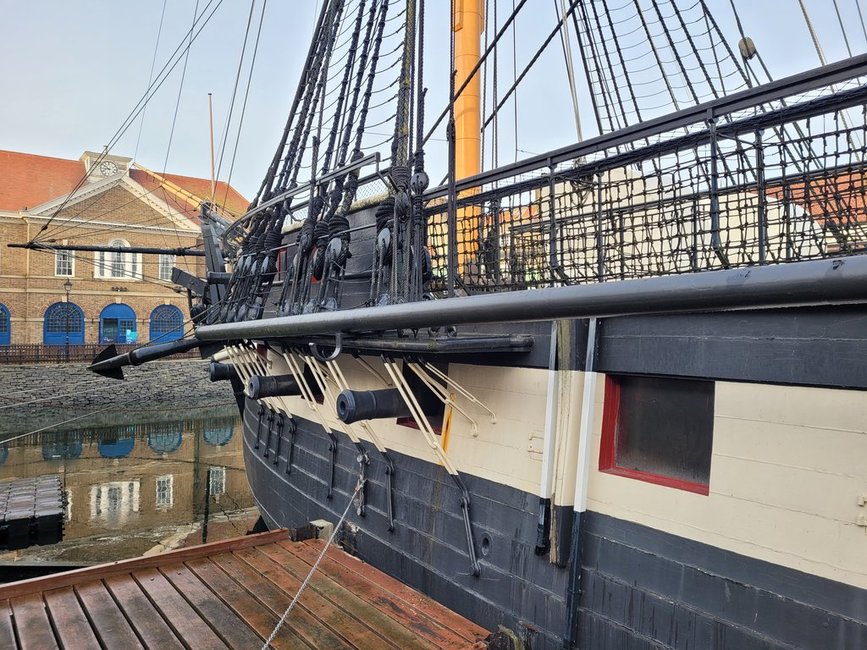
(229, 593)
(28, 180)
(224, 196)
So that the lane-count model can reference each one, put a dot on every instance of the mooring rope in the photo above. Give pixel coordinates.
(313, 568)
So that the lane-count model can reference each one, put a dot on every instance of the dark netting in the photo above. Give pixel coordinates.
(779, 182)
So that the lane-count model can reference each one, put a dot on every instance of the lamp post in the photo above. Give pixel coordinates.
(67, 286)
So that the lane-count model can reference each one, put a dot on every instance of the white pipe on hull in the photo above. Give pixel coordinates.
(588, 402)
(546, 488)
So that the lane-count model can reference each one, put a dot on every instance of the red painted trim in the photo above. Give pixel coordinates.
(608, 447)
(610, 410)
(657, 479)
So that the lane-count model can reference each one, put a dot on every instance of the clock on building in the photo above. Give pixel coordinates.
(108, 168)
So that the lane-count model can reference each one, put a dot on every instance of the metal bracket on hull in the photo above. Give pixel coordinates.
(361, 485)
(271, 415)
(340, 381)
(423, 423)
(259, 426)
(308, 396)
(280, 424)
(338, 346)
(290, 454)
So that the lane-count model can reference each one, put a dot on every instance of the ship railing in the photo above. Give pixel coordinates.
(73, 353)
(770, 175)
(294, 201)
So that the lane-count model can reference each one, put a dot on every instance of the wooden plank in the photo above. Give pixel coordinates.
(447, 618)
(7, 626)
(105, 616)
(101, 571)
(409, 608)
(183, 619)
(302, 622)
(31, 621)
(73, 628)
(365, 622)
(257, 616)
(142, 615)
(228, 626)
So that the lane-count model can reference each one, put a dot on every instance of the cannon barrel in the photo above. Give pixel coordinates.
(355, 405)
(274, 386)
(221, 371)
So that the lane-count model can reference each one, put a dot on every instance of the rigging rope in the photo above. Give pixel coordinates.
(224, 143)
(137, 109)
(244, 105)
(313, 568)
(150, 76)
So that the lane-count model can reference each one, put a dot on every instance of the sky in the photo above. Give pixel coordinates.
(73, 70)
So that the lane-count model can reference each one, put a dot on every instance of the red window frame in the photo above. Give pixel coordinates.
(608, 448)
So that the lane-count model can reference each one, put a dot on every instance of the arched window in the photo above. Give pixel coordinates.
(64, 322)
(166, 324)
(117, 324)
(165, 437)
(5, 325)
(116, 264)
(218, 432)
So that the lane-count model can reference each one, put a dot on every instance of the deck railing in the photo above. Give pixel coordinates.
(41, 353)
(774, 174)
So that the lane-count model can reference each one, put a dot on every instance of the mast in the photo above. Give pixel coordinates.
(468, 26)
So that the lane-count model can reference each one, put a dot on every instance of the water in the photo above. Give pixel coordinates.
(138, 484)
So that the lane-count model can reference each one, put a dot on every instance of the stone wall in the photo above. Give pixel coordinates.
(40, 395)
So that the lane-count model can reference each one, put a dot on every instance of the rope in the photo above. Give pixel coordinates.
(312, 569)
(150, 77)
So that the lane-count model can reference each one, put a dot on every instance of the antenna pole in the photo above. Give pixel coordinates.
(211, 126)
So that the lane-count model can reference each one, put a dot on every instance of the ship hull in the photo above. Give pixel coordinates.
(635, 586)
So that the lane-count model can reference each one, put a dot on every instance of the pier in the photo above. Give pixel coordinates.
(229, 594)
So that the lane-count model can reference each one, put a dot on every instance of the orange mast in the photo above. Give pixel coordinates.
(468, 27)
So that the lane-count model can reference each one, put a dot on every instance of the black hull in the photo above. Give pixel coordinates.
(638, 587)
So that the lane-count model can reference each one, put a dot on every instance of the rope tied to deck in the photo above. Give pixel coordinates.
(313, 568)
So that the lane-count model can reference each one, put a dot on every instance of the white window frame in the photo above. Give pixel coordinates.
(167, 483)
(64, 256)
(218, 480)
(130, 264)
(166, 263)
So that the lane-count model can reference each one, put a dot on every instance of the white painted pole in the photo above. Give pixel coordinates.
(546, 488)
(588, 403)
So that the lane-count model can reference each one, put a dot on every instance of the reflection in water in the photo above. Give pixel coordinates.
(138, 477)
(61, 449)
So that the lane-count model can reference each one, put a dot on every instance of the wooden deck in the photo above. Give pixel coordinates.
(228, 594)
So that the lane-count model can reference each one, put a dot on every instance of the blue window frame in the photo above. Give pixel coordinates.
(166, 324)
(117, 324)
(63, 321)
(5, 325)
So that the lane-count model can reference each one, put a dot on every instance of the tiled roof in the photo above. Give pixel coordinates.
(28, 180)
(201, 187)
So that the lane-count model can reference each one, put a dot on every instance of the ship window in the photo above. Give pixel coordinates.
(430, 404)
(658, 429)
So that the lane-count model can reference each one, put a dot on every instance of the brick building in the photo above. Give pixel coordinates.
(59, 297)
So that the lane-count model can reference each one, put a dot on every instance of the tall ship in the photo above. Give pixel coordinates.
(606, 396)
